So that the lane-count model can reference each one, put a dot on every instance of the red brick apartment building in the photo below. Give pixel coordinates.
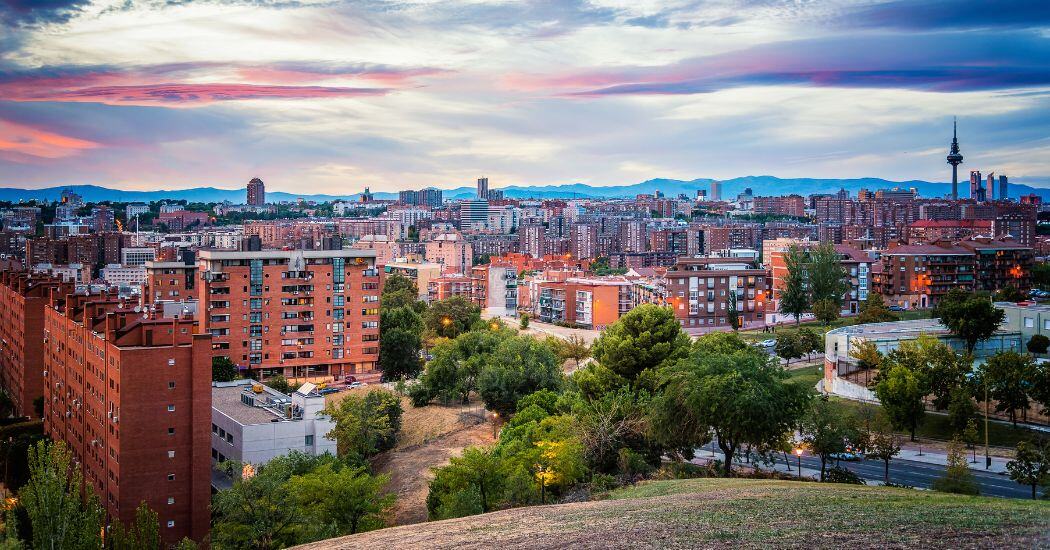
(131, 397)
(23, 296)
(171, 280)
(698, 291)
(292, 312)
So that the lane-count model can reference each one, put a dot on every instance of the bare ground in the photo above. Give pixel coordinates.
(719, 513)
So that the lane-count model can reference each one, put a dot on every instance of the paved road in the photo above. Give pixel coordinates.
(908, 472)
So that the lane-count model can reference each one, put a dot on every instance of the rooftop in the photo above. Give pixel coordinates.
(226, 398)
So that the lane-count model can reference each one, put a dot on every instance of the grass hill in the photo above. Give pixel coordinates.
(737, 513)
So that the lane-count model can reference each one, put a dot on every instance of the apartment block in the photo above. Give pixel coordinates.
(298, 313)
(698, 291)
(130, 395)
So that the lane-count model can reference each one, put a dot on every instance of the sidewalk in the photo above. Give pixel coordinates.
(998, 464)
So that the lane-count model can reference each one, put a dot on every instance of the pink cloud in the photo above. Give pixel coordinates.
(20, 141)
(192, 94)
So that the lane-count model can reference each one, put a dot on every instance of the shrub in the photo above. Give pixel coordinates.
(842, 475)
(601, 483)
(684, 470)
(419, 394)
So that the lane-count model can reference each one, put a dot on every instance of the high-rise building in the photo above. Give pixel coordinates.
(483, 188)
(977, 191)
(583, 240)
(298, 313)
(955, 158)
(256, 192)
(1004, 187)
(23, 296)
(716, 190)
(533, 239)
(130, 396)
(424, 197)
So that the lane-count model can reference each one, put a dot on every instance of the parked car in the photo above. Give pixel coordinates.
(357, 385)
(896, 308)
(349, 378)
(768, 343)
(848, 455)
(327, 391)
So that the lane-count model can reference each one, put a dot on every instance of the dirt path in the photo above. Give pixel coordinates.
(410, 468)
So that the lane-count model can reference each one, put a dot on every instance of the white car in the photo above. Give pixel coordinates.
(356, 385)
(768, 343)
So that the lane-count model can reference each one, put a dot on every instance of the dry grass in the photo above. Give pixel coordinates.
(737, 513)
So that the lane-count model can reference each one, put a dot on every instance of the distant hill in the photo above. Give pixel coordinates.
(735, 513)
(760, 185)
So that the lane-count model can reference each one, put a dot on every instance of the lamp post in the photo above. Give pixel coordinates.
(495, 418)
(798, 453)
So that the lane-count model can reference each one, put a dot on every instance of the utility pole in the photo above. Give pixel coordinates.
(987, 458)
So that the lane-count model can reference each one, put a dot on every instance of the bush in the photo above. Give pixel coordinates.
(685, 470)
(632, 465)
(524, 323)
(420, 395)
(957, 477)
(601, 483)
(842, 475)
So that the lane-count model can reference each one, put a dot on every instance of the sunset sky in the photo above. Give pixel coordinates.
(321, 96)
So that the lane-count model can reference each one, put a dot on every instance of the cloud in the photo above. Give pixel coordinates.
(19, 142)
(946, 62)
(950, 14)
(38, 12)
(194, 94)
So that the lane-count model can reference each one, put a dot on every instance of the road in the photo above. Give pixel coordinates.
(907, 472)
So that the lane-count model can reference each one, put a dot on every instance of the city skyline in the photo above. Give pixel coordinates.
(333, 97)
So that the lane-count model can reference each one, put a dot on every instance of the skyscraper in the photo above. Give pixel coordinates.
(990, 188)
(1004, 188)
(256, 192)
(955, 158)
(483, 188)
(976, 187)
(716, 191)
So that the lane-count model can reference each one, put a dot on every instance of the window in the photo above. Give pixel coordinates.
(171, 385)
(309, 441)
(171, 477)
(171, 408)
(1029, 322)
(171, 523)
(214, 429)
(171, 500)
(171, 431)
(171, 454)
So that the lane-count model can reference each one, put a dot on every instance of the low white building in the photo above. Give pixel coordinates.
(253, 423)
(121, 275)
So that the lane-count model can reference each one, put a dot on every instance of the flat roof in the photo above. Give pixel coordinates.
(894, 329)
(208, 254)
(227, 400)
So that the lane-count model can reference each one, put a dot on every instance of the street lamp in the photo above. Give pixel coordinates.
(798, 453)
(495, 419)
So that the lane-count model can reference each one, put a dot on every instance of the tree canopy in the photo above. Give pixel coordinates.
(969, 316)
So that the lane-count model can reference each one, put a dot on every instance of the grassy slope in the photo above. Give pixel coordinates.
(737, 513)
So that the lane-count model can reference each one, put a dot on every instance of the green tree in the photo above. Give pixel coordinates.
(1038, 344)
(59, 515)
(400, 339)
(810, 341)
(451, 317)
(1009, 294)
(969, 316)
(826, 311)
(457, 364)
(647, 337)
(743, 397)
(900, 392)
(882, 444)
(868, 356)
(621, 419)
(826, 431)
(365, 425)
(223, 370)
(471, 484)
(574, 348)
(521, 365)
(732, 313)
(523, 322)
(969, 436)
(828, 280)
(795, 297)
(1031, 465)
(348, 499)
(1009, 376)
(142, 534)
(957, 476)
(961, 409)
(873, 310)
(279, 383)
(788, 346)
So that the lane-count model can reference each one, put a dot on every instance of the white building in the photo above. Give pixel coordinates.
(137, 255)
(253, 423)
(135, 209)
(120, 275)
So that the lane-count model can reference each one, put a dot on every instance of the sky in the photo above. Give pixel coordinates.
(319, 96)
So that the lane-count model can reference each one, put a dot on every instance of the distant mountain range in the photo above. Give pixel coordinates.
(760, 186)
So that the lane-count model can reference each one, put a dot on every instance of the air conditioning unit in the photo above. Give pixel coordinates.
(116, 419)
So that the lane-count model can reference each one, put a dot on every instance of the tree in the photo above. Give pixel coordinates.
(743, 397)
(647, 337)
(901, 396)
(574, 348)
(223, 370)
(732, 313)
(451, 317)
(521, 365)
(1031, 465)
(523, 322)
(795, 297)
(867, 355)
(961, 410)
(365, 426)
(810, 341)
(60, 517)
(873, 310)
(788, 346)
(969, 316)
(144, 533)
(347, 498)
(1009, 377)
(828, 280)
(1038, 344)
(279, 383)
(969, 435)
(400, 338)
(621, 419)
(457, 364)
(471, 484)
(826, 431)
(883, 444)
(1009, 294)
(957, 476)
(826, 311)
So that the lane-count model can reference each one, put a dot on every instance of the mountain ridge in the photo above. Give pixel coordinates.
(762, 185)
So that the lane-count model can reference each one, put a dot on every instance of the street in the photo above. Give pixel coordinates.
(903, 472)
